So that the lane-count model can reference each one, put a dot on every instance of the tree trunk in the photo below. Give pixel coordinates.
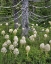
(25, 20)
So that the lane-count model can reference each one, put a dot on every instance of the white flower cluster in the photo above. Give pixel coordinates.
(45, 35)
(12, 47)
(42, 29)
(36, 24)
(16, 51)
(45, 47)
(3, 32)
(50, 22)
(15, 31)
(16, 38)
(0, 24)
(10, 30)
(6, 36)
(47, 30)
(32, 37)
(50, 41)
(15, 43)
(27, 48)
(23, 41)
(6, 24)
(3, 50)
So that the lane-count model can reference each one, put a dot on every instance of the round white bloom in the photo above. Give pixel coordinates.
(47, 30)
(32, 38)
(16, 51)
(15, 31)
(23, 37)
(34, 35)
(3, 50)
(45, 35)
(27, 48)
(8, 42)
(33, 29)
(32, 24)
(4, 44)
(42, 46)
(16, 38)
(22, 41)
(42, 29)
(50, 22)
(36, 24)
(6, 36)
(44, 23)
(35, 32)
(15, 43)
(50, 41)
(11, 47)
(0, 24)
(3, 32)
(10, 30)
(47, 47)
(6, 24)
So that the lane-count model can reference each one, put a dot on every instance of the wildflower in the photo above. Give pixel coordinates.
(36, 24)
(6, 24)
(10, 30)
(27, 48)
(3, 50)
(16, 51)
(11, 47)
(15, 31)
(15, 43)
(16, 38)
(22, 42)
(45, 35)
(4, 44)
(42, 46)
(8, 42)
(50, 41)
(47, 30)
(47, 47)
(23, 37)
(6, 36)
(3, 32)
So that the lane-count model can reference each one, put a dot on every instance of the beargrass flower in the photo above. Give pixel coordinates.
(16, 38)
(15, 31)
(47, 30)
(47, 47)
(6, 24)
(15, 51)
(45, 35)
(27, 49)
(4, 44)
(6, 36)
(10, 30)
(3, 50)
(8, 42)
(3, 32)
(15, 43)
(11, 47)
(42, 46)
